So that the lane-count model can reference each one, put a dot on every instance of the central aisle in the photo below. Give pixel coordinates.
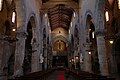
(60, 75)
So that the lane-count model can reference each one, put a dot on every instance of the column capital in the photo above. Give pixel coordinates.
(21, 34)
(1, 37)
(100, 33)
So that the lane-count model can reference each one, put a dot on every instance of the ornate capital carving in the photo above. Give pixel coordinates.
(100, 33)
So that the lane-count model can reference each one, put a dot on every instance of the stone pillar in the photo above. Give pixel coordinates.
(102, 54)
(21, 36)
(100, 28)
(35, 57)
(111, 59)
(19, 54)
(87, 59)
(1, 54)
(45, 59)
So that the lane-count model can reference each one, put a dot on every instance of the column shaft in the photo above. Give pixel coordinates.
(102, 55)
(19, 54)
(87, 59)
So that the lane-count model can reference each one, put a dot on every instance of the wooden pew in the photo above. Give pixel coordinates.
(82, 75)
(41, 75)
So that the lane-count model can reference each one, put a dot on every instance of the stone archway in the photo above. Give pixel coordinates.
(57, 37)
(92, 52)
(30, 47)
(28, 50)
(60, 51)
(93, 48)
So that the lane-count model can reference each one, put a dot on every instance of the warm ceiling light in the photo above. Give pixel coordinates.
(107, 16)
(76, 57)
(13, 17)
(89, 52)
(1, 1)
(14, 30)
(111, 41)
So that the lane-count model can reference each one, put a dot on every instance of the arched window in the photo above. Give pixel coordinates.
(13, 17)
(1, 2)
(119, 4)
(107, 16)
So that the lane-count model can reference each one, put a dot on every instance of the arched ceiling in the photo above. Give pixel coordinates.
(60, 16)
(59, 13)
(110, 2)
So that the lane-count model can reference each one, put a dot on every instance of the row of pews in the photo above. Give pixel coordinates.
(41, 75)
(82, 75)
(78, 75)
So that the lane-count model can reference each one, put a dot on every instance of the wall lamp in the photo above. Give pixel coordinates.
(110, 38)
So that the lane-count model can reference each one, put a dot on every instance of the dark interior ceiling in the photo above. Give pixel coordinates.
(44, 1)
(60, 16)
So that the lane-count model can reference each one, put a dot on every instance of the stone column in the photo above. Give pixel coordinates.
(19, 54)
(21, 36)
(35, 57)
(102, 54)
(87, 59)
(111, 60)
(45, 59)
(100, 28)
(1, 54)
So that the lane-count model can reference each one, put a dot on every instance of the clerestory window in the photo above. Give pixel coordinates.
(13, 17)
(119, 4)
(1, 2)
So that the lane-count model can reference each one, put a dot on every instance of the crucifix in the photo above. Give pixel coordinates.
(59, 45)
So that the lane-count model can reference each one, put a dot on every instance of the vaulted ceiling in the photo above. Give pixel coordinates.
(60, 16)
